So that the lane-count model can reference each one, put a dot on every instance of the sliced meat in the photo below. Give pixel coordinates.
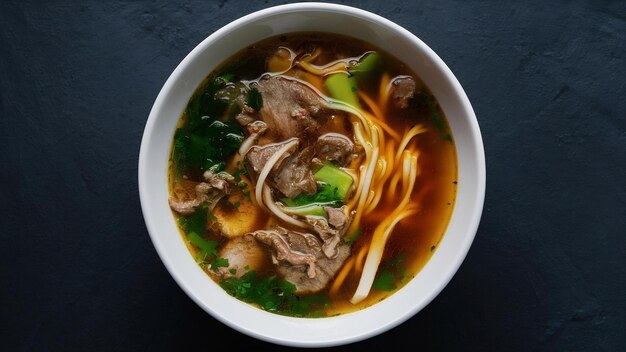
(334, 146)
(403, 89)
(243, 253)
(284, 251)
(291, 175)
(259, 155)
(294, 176)
(337, 217)
(210, 192)
(256, 127)
(290, 108)
(326, 270)
(304, 244)
(331, 230)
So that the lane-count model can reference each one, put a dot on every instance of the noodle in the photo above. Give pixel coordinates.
(267, 198)
(341, 276)
(268, 167)
(381, 234)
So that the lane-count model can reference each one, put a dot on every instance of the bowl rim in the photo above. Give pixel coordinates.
(475, 216)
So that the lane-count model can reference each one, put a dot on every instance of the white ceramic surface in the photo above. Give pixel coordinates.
(171, 101)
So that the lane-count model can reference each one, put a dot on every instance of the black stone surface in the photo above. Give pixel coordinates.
(547, 270)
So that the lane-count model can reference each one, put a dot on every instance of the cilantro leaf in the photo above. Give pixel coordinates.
(219, 263)
(195, 222)
(208, 248)
(392, 274)
(255, 99)
(274, 295)
(384, 281)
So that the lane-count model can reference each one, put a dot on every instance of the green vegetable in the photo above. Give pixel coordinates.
(370, 63)
(207, 144)
(255, 100)
(385, 281)
(332, 191)
(196, 222)
(312, 209)
(392, 274)
(194, 225)
(274, 295)
(334, 176)
(204, 103)
(342, 87)
(205, 140)
(219, 263)
(326, 195)
(208, 248)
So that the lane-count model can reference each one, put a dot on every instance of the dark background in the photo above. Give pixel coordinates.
(547, 270)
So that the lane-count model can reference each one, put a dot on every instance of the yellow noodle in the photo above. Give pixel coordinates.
(368, 179)
(382, 124)
(383, 90)
(312, 56)
(333, 67)
(417, 129)
(393, 184)
(374, 202)
(358, 266)
(355, 198)
(370, 103)
(382, 232)
(341, 276)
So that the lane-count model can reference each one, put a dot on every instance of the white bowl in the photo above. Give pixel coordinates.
(318, 332)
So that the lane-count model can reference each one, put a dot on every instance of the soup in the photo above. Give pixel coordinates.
(312, 175)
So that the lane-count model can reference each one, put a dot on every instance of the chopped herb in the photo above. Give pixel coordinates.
(195, 222)
(353, 237)
(432, 248)
(208, 248)
(385, 281)
(240, 171)
(204, 104)
(204, 146)
(232, 271)
(194, 226)
(236, 204)
(255, 100)
(205, 141)
(247, 194)
(217, 168)
(274, 295)
(391, 274)
(219, 263)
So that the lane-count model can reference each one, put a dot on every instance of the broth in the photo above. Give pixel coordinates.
(311, 59)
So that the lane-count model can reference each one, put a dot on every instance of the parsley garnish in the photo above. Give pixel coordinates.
(392, 274)
(274, 295)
